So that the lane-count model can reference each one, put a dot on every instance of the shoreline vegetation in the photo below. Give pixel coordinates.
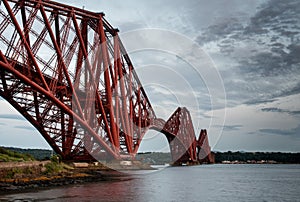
(230, 157)
(29, 169)
(161, 158)
(22, 171)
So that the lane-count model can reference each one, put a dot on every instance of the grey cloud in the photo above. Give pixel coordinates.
(227, 46)
(292, 91)
(265, 64)
(232, 127)
(294, 112)
(259, 101)
(25, 127)
(293, 56)
(229, 127)
(288, 132)
(129, 26)
(275, 109)
(280, 21)
(272, 109)
(278, 16)
(273, 62)
(276, 131)
(221, 30)
(264, 52)
(11, 116)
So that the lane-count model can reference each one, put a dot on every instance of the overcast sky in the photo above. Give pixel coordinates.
(234, 64)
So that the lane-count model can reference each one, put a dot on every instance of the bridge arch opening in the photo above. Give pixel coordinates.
(154, 141)
(154, 149)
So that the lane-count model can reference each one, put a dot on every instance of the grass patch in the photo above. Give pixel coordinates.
(53, 167)
(11, 156)
(56, 166)
(11, 173)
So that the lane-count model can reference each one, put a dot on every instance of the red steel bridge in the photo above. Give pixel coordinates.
(67, 72)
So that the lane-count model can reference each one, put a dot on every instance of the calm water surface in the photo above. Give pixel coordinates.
(198, 183)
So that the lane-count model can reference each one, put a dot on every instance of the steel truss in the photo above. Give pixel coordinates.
(67, 72)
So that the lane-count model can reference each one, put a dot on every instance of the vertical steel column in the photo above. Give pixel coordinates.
(116, 78)
(124, 109)
(107, 81)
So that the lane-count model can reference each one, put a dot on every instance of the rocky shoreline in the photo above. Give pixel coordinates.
(19, 185)
(24, 181)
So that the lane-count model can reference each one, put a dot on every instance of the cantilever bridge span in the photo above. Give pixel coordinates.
(67, 72)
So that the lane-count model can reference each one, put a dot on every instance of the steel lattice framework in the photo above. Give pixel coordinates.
(67, 72)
